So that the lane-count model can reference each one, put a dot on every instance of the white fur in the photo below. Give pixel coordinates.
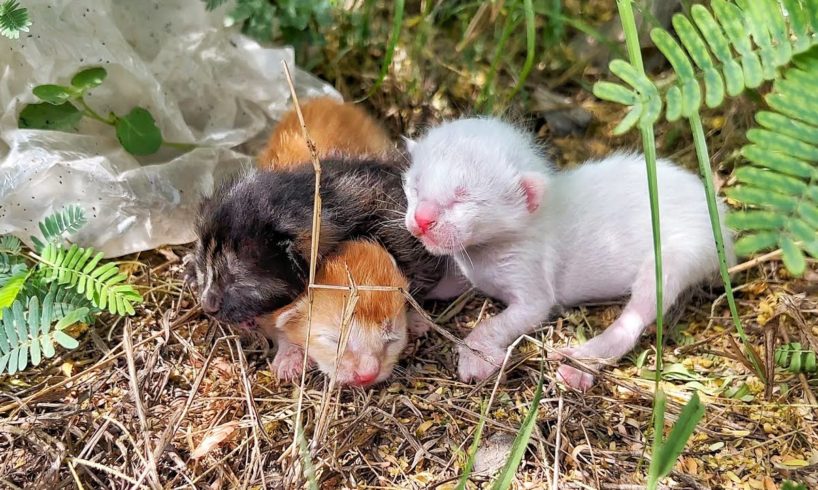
(589, 237)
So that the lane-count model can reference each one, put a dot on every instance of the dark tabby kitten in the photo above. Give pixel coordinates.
(255, 233)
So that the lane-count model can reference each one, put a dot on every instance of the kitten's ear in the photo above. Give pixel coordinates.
(533, 185)
(409, 143)
(284, 318)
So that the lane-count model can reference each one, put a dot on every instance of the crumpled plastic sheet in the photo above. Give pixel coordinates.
(203, 84)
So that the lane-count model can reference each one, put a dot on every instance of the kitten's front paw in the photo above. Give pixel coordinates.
(289, 363)
(573, 377)
(471, 367)
(418, 325)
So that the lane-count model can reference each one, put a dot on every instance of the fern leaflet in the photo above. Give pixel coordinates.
(796, 359)
(101, 284)
(28, 334)
(13, 19)
(54, 226)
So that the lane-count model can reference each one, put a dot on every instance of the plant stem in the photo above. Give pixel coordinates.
(93, 114)
(180, 146)
(530, 51)
(484, 101)
(649, 146)
(715, 221)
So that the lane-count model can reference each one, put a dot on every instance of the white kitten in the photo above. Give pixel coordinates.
(479, 190)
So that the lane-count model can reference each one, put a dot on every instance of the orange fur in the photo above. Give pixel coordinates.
(374, 314)
(336, 128)
(378, 327)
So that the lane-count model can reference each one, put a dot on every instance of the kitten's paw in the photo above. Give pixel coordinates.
(289, 363)
(417, 324)
(189, 262)
(573, 377)
(472, 367)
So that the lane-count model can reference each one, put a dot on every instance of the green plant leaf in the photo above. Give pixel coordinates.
(9, 292)
(49, 116)
(53, 94)
(101, 284)
(791, 485)
(137, 132)
(793, 257)
(475, 444)
(13, 20)
(65, 340)
(755, 242)
(55, 226)
(89, 78)
(520, 444)
(665, 456)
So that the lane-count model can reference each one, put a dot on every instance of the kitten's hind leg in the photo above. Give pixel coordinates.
(622, 335)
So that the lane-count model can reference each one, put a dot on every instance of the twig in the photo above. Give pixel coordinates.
(754, 262)
(140, 409)
(106, 469)
(316, 230)
(557, 441)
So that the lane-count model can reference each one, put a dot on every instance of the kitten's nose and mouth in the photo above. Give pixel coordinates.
(424, 218)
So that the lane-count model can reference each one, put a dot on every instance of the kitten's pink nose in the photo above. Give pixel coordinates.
(366, 372)
(426, 215)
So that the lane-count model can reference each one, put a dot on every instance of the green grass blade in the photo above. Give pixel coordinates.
(520, 444)
(394, 37)
(478, 434)
(531, 49)
(672, 448)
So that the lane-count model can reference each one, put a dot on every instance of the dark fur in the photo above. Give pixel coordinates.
(259, 226)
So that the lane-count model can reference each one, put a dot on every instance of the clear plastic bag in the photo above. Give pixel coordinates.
(203, 84)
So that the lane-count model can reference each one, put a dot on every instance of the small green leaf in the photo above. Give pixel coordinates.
(630, 119)
(65, 340)
(4, 359)
(674, 104)
(615, 92)
(49, 116)
(137, 132)
(793, 257)
(520, 443)
(9, 292)
(13, 21)
(756, 242)
(53, 94)
(89, 78)
(22, 357)
(755, 220)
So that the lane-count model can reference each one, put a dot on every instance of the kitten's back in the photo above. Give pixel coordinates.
(335, 127)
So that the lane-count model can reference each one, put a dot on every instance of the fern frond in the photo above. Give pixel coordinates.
(28, 334)
(780, 187)
(720, 53)
(796, 359)
(13, 19)
(54, 226)
(101, 284)
(10, 244)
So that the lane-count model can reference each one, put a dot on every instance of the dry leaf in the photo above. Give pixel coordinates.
(215, 436)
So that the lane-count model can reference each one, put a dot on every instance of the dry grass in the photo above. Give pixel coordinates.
(132, 410)
(172, 399)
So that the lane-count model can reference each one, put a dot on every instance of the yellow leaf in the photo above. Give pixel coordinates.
(67, 368)
(795, 463)
(215, 436)
(769, 484)
(422, 428)
(716, 446)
